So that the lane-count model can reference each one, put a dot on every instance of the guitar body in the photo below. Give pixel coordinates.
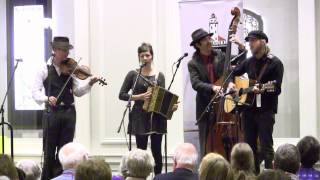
(241, 82)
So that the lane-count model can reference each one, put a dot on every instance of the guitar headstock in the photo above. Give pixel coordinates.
(102, 81)
(269, 86)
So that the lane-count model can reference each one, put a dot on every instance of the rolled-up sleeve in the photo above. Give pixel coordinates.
(80, 87)
(38, 89)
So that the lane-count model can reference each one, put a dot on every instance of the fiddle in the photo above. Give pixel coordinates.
(70, 66)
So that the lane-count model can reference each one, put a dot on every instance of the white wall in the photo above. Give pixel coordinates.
(107, 35)
(280, 20)
(318, 58)
(3, 52)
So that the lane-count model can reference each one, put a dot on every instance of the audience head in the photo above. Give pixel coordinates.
(214, 167)
(4, 178)
(72, 154)
(242, 158)
(96, 169)
(309, 149)
(271, 174)
(123, 166)
(30, 168)
(7, 167)
(287, 158)
(140, 163)
(185, 156)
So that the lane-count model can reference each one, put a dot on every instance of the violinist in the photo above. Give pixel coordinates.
(205, 68)
(60, 117)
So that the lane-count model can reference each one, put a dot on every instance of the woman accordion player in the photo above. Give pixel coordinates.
(144, 124)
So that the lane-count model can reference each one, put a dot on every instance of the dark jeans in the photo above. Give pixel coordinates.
(58, 130)
(156, 139)
(259, 125)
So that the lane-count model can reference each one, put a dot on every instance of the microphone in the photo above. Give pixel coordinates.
(142, 64)
(184, 55)
(235, 59)
(19, 60)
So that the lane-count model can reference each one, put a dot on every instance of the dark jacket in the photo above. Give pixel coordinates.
(274, 71)
(200, 80)
(178, 174)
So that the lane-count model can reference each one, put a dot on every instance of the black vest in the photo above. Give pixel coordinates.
(56, 83)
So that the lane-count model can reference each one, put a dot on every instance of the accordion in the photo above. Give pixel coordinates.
(161, 102)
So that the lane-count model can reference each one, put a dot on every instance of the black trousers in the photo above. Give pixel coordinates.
(203, 127)
(156, 139)
(58, 130)
(258, 125)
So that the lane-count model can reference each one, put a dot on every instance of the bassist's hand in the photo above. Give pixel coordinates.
(217, 89)
(232, 86)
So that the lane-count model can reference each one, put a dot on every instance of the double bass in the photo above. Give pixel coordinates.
(225, 131)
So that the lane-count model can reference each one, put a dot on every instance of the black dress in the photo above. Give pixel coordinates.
(140, 121)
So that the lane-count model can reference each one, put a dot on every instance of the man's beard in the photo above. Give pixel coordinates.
(259, 51)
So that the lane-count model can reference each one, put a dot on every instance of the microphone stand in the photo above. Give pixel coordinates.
(165, 136)
(3, 123)
(128, 107)
(210, 104)
(208, 107)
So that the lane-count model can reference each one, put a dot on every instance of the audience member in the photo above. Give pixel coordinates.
(96, 169)
(214, 167)
(184, 163)
(70, 156)
(287, 158)
(309, 149)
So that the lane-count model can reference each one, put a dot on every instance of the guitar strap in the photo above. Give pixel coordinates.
(263, 69)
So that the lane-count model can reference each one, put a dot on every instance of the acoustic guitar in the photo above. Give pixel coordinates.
(240, 98)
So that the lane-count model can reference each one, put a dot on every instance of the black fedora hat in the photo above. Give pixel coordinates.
(61, 42)
(199, 34)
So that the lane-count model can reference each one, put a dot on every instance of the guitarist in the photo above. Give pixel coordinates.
(205, 68)
(259, 118)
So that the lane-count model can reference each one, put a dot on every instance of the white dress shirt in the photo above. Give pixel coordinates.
(80, 87)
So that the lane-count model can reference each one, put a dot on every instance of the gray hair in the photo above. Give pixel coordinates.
(186, 153)
(4, 178)
(140, 163)
(30, 168)
(72, 154)
(123, 166)
(287, 158)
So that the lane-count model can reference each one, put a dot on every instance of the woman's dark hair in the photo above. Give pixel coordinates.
(145, 47)
(309, 149)
(7, 167)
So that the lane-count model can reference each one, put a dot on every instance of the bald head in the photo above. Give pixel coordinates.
(185, 156)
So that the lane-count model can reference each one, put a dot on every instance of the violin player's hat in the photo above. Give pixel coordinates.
(61, 42)
(199, 34)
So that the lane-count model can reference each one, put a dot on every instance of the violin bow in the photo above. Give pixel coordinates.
(67, 81)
